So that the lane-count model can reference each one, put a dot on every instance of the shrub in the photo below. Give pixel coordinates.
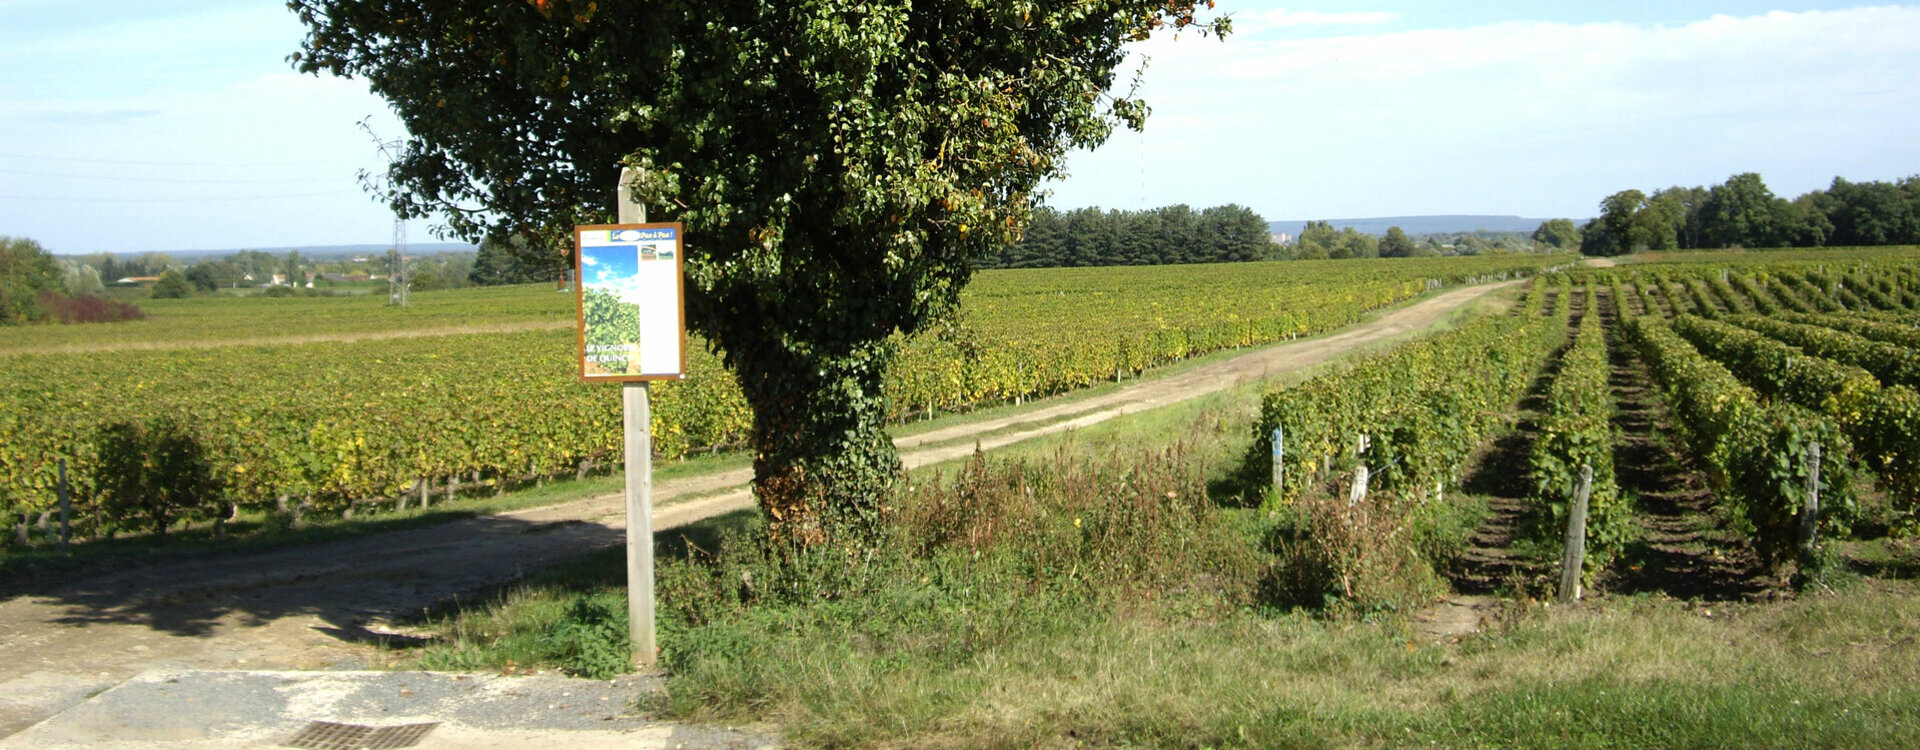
(172, 285)
(590, 640)
(156, 470)
(87, 309)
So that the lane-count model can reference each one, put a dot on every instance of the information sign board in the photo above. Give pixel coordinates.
(631, 286)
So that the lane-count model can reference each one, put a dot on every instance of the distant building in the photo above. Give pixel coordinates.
(134, 280)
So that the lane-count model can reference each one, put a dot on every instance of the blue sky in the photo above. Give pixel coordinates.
(175, 125)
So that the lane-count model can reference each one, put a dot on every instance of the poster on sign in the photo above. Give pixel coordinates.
(632, 309)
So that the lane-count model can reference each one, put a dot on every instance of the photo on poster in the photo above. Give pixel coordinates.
(630, 306)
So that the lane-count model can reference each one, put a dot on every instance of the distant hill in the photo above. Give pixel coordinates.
(1419, 224)
(325, 251)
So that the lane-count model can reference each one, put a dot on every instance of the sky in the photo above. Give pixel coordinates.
(137, 125)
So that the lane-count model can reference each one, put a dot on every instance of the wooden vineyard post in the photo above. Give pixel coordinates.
(1360, 474)
(631, 291)
(1279, 460)
(1572, 563)
(1810, 513)
(638, 422)
(638, 418)
(66, 509)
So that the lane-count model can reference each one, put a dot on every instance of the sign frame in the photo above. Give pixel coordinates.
(679, 302)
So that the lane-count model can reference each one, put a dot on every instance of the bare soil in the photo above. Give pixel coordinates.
(317, 606)
(1489, 566)
(1684, 548)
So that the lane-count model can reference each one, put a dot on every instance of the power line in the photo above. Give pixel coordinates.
(184, 180)
(180, 163)
(215, 199)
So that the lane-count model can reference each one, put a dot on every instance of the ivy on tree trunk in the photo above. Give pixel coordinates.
(841, 167)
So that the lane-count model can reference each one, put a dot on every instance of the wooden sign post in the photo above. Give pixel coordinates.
(630, 282)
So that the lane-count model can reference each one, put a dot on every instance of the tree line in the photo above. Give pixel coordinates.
(1162, 236)
(1743, 212)
(39, 287)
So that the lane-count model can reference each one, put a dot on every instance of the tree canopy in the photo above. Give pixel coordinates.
(513, 260)
(26, 270)
(1396, 244)
(839, 167)
(1743, 212)
(172, 285)
(1161, 236)
(1558, 233)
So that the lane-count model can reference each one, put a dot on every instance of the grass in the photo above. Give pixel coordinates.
(1021, 626)
(1049, 597)
(42, 564)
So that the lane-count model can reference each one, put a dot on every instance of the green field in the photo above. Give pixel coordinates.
(332, 400)
(1140, 584)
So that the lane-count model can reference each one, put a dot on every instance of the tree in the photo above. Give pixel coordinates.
(1612, 232)
(1658, 223)
(1317, 240)
(1396, 244)
(157, 469)
(511, 260)
(203, 277)
(172, 285)
(1867, 213)
(1682, 208)
(1741, 213)
(150, 263)
(26, 270)
(257, 264)
(1355, 244)
(294, 269)
(1236, 232)
(839, 167)
(1803, 223)
(1558, 233)
(84, 281)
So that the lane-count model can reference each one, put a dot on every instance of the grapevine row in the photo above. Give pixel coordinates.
(332, 423)
(1891, 363)
(1755, 455)
(1422, 406)
(1576, 430)
(1883, 423)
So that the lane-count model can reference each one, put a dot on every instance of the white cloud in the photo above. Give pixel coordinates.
(1282, 18)
(1520, 117)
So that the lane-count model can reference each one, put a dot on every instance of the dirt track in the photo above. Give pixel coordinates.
(309, 607)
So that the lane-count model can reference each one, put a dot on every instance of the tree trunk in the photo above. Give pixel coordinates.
(824, 463)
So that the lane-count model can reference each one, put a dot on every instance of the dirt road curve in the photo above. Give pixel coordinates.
(306, 607)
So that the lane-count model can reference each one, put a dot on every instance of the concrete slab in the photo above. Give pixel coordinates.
(183, 708)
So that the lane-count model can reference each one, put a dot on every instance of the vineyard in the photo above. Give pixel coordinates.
(1789, 378)
(323, 426)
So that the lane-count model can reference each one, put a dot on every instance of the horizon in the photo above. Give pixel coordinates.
(1396, 109)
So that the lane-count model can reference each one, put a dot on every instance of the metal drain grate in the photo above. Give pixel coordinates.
(327, 735)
